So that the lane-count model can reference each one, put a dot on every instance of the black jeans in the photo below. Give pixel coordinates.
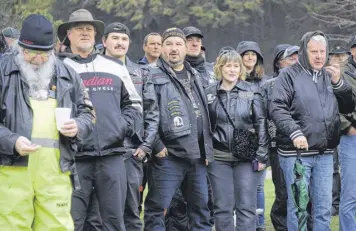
(134, 174)
(93, 219)
(279, 207)
(336, 183)
(107, 174)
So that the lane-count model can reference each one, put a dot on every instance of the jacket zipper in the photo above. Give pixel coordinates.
(97, 143)
(228, 124)
(324, 120)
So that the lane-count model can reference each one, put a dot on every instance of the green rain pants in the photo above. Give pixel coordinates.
(37, 197)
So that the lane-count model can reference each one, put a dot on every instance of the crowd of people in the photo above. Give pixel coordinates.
(199, 135)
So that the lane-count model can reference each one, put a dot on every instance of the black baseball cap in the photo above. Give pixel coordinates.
(191, 30)
(338, 50)
(117, 27)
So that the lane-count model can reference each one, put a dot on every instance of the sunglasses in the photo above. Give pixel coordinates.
(34, 53)
(227, 52)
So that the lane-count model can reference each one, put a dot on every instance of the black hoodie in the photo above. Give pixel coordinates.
(278, 52)
(308, 104)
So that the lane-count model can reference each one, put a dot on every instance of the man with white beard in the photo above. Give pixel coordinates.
(118, 107)
(36, 158)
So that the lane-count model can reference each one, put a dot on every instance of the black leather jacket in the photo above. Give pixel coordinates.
(246, 108)
(266, 90)
(145, 88)
(16, 113)
(176, 113)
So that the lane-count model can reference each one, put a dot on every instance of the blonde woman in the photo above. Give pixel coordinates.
(233, 180)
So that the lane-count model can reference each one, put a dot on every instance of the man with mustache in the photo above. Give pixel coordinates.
(100, 158)
(116, 41)
(183, 146)
(36, 159)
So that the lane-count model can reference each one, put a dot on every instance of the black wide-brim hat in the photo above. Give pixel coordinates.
(78, 17)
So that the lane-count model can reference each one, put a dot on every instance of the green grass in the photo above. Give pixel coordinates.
(269, 196)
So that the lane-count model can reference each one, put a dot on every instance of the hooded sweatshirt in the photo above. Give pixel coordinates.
(306, 103)
(278, 52)
(303, 54)
(245, 46)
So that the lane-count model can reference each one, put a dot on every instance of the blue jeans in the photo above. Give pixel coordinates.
(320, 169)
(347, 159)
(165, 176)
(233, 184)
(261, 201)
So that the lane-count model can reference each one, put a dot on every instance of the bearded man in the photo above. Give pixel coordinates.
(37, 165)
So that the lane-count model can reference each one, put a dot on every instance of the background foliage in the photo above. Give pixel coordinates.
(223, 22)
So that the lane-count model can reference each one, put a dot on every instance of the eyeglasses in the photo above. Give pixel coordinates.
(34, 53)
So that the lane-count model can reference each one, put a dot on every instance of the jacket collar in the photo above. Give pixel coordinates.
(163, 65)
(10, 64)
(240, 85)
(143, 61)
(128, 62)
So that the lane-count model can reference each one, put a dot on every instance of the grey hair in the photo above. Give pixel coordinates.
(318, 38)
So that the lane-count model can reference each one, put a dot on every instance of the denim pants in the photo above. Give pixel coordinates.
(165, 176)
(347, 159)
(233, 185)
(320, 169)
(260, 223)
